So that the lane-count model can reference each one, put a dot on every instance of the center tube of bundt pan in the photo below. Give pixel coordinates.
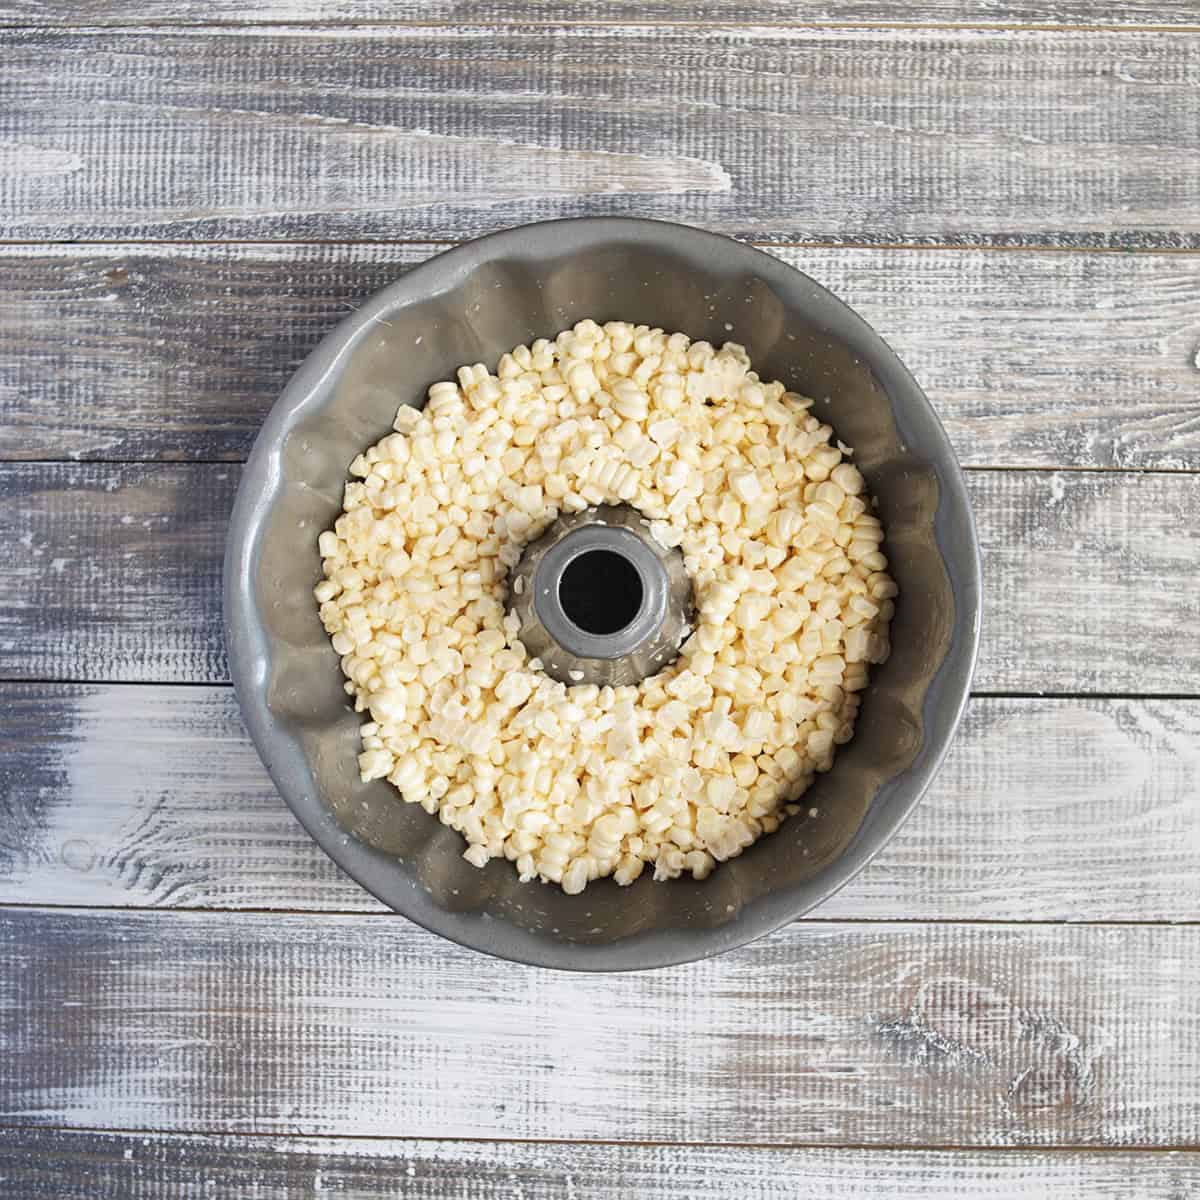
(599, 600)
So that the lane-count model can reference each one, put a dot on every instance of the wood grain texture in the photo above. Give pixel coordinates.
(149, 796)
(50, 1164)
(1165, 13)
(168, 352)
(846, 1043)
(115, 572)
(899, 1035)
(154, 797)
(176, 352)
(890, 135)
(1090, 579)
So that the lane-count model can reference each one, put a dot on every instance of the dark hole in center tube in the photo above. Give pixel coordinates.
(600, 591)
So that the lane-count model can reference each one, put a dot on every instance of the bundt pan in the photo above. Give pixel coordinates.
(469, 305)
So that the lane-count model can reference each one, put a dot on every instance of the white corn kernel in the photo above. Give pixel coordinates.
(686, 768)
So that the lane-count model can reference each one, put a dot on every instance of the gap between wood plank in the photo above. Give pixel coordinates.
(1065, 697)
(236, 462)
(1018, 246)
(377, 23)
(1017, 468)
(391, 915)
(1064, 1149)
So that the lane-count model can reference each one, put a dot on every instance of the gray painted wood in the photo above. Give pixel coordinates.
(969, 136)
(853, 1039)
(1032, 359)
(1090, 578)
(891, 1034)
(167, 352)
(124, 796)
(47, 1164)
(1090, 581)
(114, 571)
(1151, 13)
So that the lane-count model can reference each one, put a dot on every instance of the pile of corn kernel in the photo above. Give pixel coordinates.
(690, 766)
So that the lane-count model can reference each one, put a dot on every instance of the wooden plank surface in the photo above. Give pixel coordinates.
(1033, 359)
(897, 160)
(968, 136)
(905, 1034)
(1090, 578)
(114, 571)
(1087, 13)
(1090, 581)
(45, 1164)
(123, 796)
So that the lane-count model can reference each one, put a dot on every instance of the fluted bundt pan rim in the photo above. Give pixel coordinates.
(471, 304)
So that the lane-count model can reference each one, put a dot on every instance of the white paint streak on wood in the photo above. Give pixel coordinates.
(153, 796)
(1031, 359)
(894, 1034)
(374, 168)
(67, 1165)
(784, 133)
(31, 162)
(174, 805)
(997, 835)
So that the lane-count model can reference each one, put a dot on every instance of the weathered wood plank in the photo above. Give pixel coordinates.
(98, 358)
(1095, 365)
(153, 797)
(114, 571)
(54, 1164)
(148, 796)
(905, 1034)
(1154, 13)
(788, 134)
(1090, 579)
